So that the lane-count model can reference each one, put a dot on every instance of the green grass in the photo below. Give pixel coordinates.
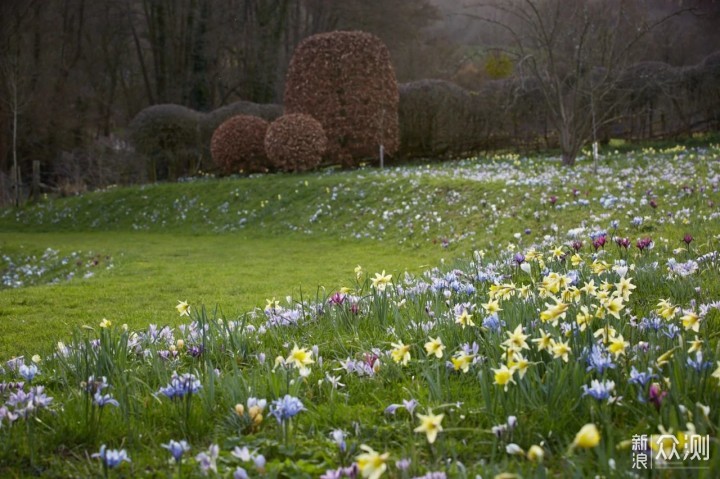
(231, 244)
(151, 272)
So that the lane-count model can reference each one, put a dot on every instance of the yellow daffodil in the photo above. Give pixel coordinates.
(560, 350)
(589, 288)
(606, 333)
(617, 345)
(464, 319)
(105, 323)
(624, 288)
(696, 345)
(665, 357)
(358, 271)
(461, 361)
(372, 465)
(666, 309)
(570, 295)
(552, 282)
(503, 291)
(400, 353)
(516, 339)
(613, 306)
(554, 312)
(716, 373)
(430, 425)
(533, 255)
(272, 304)
(519, 363)
(300, 358)
(183, 308)
(504, 376)
(524, 292)
(599, 267)
(576, 260)
(435, 347)
(381, 280)
(587, 437)
(535, 453)
(583, 318)
(544, 342)
(691, 321)
(492, 306)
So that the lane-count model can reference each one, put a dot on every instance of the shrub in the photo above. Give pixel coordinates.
(237, 145)
(346, 81)
(212, 120)
(168, 137)
(295, 142)
(437, 118)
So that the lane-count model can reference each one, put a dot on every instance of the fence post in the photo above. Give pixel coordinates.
(35, 189)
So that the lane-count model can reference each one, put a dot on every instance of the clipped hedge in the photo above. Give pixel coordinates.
(345, 80)
(212, 120)
(168, 136)
(295, 142)
(434, 117)
(237, 145)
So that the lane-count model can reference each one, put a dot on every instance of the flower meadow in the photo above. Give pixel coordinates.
(546, 352)
(20, 269)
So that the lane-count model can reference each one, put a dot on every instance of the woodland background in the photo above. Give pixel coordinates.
(74, 73)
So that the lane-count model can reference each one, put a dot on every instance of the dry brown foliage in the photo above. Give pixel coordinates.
(237, 145)
(295, 142)
(346, 81)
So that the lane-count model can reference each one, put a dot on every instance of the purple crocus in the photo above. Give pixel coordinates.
(177, 449)
(111, 458)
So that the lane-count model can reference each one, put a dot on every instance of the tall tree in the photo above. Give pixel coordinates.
(573, 54)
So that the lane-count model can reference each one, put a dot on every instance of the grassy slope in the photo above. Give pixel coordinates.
(235, 242)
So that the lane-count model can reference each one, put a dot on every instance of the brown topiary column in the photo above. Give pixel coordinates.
(345, 80)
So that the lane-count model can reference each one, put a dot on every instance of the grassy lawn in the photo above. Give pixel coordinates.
(151, 272)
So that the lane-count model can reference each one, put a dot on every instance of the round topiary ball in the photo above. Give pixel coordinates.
(237, 145)
(346, 81)
(168, 137)
(295, 142)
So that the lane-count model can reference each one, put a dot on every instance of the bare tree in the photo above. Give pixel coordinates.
(573, 53)
(15, 81)
(15, 78)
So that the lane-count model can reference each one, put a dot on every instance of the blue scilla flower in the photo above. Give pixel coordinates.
(599, 360)
(28, 372)
(177, 449)
(671, 331)
(286, 408)
(599, 390)
(698, 364)
(104, 399)
(181, 386)
(640, 378)
(493, 323)
(111, 458)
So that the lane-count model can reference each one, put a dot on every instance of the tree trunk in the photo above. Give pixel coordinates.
(568, 145)
(568, 158)
(15, 168)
